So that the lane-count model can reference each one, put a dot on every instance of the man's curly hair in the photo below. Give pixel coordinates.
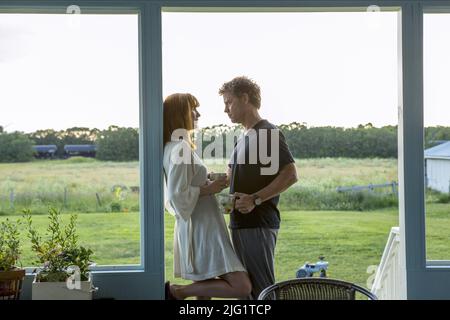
(240, 85)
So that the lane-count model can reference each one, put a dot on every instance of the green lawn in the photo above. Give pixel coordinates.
(350, 241)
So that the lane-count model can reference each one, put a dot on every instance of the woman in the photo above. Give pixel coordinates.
(203, 251)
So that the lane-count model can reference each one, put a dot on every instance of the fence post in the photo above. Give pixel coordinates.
(394, 189)
(98, 199)
(11, 199)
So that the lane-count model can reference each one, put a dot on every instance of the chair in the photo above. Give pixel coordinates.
(315, 289)
(11, 284)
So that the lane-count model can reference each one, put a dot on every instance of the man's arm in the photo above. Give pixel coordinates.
(286, 178)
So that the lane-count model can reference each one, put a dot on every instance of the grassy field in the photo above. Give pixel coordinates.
(332, 172)
(85, 185)
(76, 173)
(350, 240)
(38, 183)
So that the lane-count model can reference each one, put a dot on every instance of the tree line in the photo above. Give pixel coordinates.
(122, 144)
(363, 141)
(113, 144)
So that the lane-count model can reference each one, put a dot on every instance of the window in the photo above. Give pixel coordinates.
(437, 135)
(329, 79)
(72, 82)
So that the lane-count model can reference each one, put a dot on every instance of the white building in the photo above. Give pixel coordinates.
(437, 166)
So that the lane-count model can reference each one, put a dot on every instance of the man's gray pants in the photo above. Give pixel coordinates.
(255, 247)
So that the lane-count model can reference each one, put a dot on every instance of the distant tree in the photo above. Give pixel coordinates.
(360, 142)
(118, 144)
(122, 144)
(48, 136)
(15, 147)
(1, 129)
(79, 135)
(436, 135)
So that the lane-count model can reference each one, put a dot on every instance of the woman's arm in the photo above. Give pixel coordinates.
(212, 187)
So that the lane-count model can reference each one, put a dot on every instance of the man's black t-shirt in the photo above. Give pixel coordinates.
(252, 171)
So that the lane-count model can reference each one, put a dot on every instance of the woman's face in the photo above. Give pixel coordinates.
(195, 116)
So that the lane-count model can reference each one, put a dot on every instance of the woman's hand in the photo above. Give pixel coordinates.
(213, 187)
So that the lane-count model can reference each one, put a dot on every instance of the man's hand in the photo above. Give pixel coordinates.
(244, 202)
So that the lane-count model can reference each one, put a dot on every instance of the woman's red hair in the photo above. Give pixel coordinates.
(178, 115)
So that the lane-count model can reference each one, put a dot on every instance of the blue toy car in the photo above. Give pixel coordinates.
(308, 269)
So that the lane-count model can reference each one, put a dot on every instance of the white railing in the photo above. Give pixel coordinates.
(388, 283)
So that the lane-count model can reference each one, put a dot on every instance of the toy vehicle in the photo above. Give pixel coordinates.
(308, 269)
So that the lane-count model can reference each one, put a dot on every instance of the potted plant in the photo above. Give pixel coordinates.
(11, 276)
(64, 272)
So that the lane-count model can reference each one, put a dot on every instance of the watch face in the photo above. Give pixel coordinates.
(258, 201)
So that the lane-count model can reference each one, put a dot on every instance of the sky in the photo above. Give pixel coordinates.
(58, 74)
(337, 69)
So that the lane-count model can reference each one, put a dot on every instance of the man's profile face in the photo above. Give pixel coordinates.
(234, 107)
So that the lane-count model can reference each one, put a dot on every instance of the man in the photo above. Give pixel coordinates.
(255, 183)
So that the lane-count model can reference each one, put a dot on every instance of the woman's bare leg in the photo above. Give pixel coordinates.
(230, 285)
(202, 297)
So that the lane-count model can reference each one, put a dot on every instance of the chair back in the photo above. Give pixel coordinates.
(11, 284)
(315, 289)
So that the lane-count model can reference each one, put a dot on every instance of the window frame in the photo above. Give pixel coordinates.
(424, 279)
(150, 271)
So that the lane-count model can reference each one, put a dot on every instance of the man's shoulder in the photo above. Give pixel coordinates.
(265, 124)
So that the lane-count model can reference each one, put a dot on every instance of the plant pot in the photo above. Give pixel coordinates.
(62, 291)
(11, 284)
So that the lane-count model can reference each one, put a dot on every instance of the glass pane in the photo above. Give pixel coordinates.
(437, 135)
(70, 118)
(329, 81)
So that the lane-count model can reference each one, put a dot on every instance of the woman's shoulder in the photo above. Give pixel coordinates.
(176, 145)
(177, 149)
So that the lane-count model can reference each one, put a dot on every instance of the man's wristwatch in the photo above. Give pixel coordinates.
(256, 200)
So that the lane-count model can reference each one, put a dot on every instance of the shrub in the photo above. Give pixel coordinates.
(9, 245)
(443, 198)
(60, 250)
(15, 147)
(118, 144)
(78, 159)
(328, 199)
(116, 207)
